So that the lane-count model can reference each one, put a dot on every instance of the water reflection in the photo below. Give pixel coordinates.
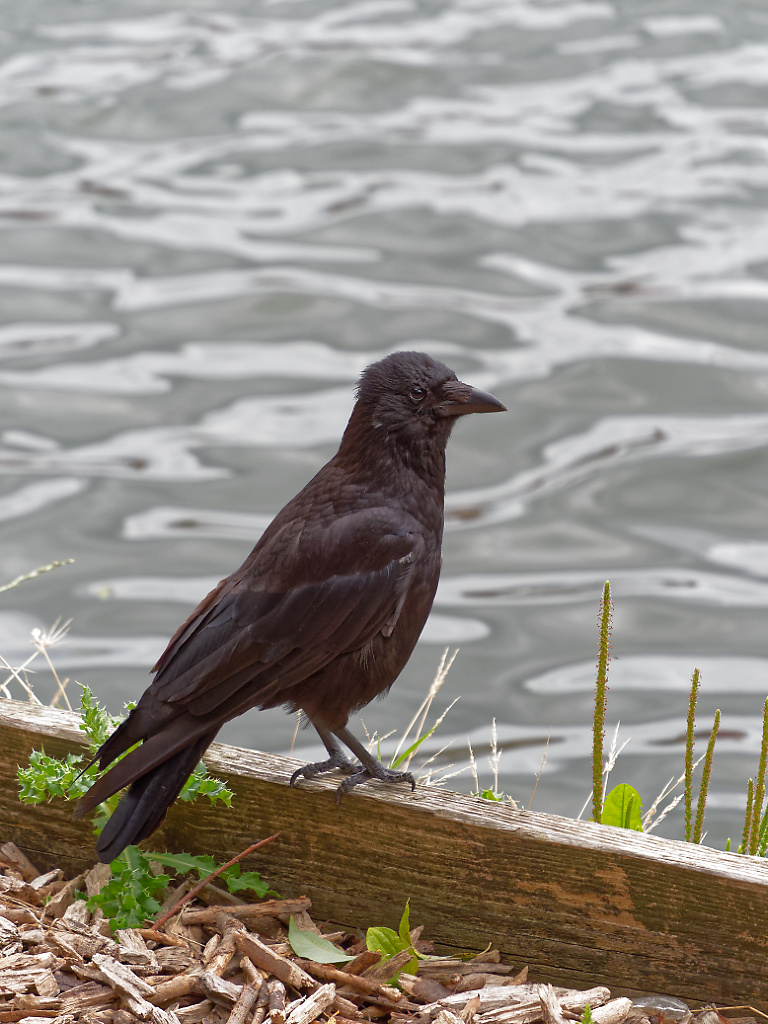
(690, 586)
(670, 673)
(215, 217)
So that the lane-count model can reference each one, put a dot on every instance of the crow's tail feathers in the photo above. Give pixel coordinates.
(147, 801)
(150, 795)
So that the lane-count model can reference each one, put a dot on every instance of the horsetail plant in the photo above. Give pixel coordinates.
(706, 774)
(757, 826)
(598, 724)
(691, 721)
(744, 848)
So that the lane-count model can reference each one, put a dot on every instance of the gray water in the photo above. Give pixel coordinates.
(216, 214)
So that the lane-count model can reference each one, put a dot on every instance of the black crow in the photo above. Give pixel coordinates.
(322, 615)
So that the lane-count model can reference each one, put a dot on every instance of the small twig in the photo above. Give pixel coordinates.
(202, 884)
(241, 1010)
(728, 1009)
(309, 1009)
(247, 911)
(277, 1000)
(265, 958)
(327, 972)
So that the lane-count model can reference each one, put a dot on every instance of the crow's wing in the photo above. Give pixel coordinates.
(250, 639)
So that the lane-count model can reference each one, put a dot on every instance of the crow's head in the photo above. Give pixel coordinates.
(411, 401)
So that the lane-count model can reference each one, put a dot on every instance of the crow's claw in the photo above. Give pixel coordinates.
(380, 772)
(336, 760)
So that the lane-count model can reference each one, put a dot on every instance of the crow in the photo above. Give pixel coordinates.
(322, 615)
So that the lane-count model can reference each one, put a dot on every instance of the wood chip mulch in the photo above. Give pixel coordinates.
(231, 962)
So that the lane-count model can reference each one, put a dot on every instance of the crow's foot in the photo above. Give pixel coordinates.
(374, 771)
(336, 760)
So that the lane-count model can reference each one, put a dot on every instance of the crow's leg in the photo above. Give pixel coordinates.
(371, 768)
(337, 759)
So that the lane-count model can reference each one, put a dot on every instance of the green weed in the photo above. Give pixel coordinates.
(130, 897)
(389, 942)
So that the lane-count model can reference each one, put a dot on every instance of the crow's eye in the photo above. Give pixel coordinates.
(418, 394)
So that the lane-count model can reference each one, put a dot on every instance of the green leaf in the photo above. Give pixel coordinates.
(404, 927)
(200, 783)
(128, 898)
(388, 942)
(183, 863)
(622, 808)
(488, 794)
(412, 749)
(248, 881)
(383, 940)
(314, 947)
(49, 777)
(94, 720)
(404, 931)
(204, 865)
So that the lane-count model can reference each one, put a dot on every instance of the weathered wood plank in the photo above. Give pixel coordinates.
(580, 904)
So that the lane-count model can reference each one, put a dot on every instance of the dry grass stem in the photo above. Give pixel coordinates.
(494, 757)
(473, 767)
(610, 764)
(613, 756)
(15, 674)
(35, 572)
(538, 774)
(41, 641)
(419, 719)
(648, 823)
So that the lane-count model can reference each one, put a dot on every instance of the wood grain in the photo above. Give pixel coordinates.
(580, 904)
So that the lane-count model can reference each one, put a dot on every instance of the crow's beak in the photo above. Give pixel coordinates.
(461, 399)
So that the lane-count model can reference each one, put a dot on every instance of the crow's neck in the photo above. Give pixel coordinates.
(382, 455)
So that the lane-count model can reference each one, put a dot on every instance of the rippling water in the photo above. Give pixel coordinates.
(214, 216)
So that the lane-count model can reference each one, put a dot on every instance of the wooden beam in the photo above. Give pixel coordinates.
(580, 904)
